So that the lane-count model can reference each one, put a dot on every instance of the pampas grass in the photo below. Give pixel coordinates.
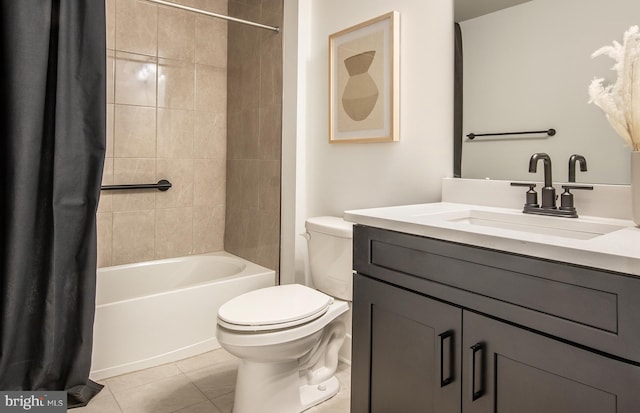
(621, 100)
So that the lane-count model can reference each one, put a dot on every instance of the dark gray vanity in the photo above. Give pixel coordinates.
(445, 326)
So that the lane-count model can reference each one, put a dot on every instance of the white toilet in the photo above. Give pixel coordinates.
(287, 337)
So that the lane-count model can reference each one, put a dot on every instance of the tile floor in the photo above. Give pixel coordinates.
(201, 384)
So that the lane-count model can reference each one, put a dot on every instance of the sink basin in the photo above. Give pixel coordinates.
(575, 228)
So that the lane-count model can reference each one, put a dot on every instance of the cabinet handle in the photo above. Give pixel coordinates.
(476, 394)
(447, 335)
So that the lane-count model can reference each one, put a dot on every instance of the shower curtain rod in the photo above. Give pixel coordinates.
(211, 14)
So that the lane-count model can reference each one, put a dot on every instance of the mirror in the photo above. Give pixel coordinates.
(527, 67)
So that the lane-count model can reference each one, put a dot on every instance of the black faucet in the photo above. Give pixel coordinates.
(572, 166)
(548, 192)
(548, 207)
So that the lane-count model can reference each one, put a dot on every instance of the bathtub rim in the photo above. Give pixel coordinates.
(250, 269)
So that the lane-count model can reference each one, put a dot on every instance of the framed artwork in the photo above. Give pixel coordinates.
(363, 81)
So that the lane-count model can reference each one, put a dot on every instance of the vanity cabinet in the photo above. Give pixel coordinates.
(408, 351)
(447, 327)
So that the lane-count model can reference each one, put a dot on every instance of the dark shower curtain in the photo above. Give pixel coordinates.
(52, 129)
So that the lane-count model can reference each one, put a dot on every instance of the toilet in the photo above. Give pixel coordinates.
(288, 337)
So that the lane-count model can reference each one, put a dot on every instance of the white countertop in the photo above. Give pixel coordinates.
(616, 251)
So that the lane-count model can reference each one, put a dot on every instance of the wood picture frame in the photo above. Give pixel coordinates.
(363, 81)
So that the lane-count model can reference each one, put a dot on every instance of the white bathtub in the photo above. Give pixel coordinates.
(160, 311)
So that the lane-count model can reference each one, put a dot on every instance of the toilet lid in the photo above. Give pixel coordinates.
(271, 308)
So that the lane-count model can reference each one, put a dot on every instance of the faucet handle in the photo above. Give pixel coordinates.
(568, 187)
(566, 199)
(532, 195)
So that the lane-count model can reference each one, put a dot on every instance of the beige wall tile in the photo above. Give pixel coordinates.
(175, 133)
(208, 229)
(174, 233)
(176, 34)
(208, 182)
(236, 229)
(243, 183)
(269, 186)
(110, 7)
(134, 171)
(189, 3)
(245, 128)
(210, 140)
(176, 84)
(135, 132)
(211, 41)
(163, 66)
(268, 255)
(106, 197)
(135, 79)
(272, 6)
(133, 236)
(245, 9)
(245, 83)
(105, 238)
(111, 69)
(270, 134)
(254, 151)
(216, 6)
(180, 173)
(137, 27)
(270, 70)
(211, 89)
(109, 138)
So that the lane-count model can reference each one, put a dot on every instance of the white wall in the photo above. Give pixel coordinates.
(291, 123)
(332, 178)
(348, 176)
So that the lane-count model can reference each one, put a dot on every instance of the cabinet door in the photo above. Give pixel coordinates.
(405, 355)
(508, 369)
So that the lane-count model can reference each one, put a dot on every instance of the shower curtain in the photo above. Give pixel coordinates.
(52, 129)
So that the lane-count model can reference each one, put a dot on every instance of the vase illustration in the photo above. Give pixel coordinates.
(361, 93)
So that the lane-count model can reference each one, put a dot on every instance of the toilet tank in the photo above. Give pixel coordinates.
(330, 245)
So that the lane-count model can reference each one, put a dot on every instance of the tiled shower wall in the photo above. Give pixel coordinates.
(254, 133)
(167, 117)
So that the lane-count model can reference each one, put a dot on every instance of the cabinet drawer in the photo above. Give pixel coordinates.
(525, 287)
(588, 306)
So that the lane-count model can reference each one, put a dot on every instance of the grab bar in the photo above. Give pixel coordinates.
(162, 185)
(549, 132)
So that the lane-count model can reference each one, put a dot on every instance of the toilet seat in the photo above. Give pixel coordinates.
(273, 308)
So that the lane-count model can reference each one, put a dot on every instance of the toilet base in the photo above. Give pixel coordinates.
(310, 395)
(277, 388)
